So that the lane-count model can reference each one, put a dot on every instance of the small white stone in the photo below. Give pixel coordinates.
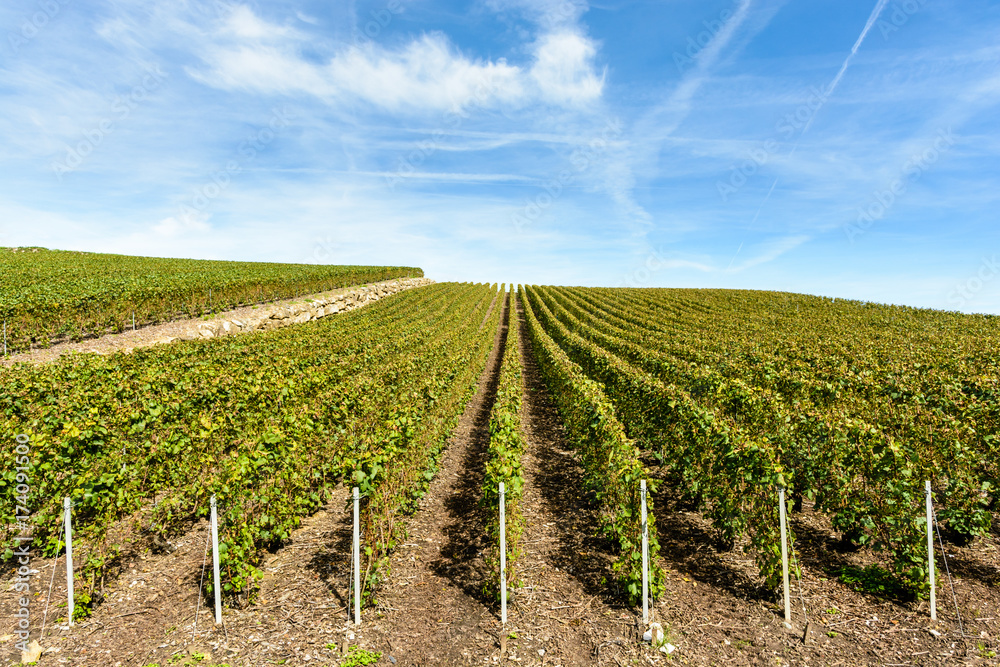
(668, 648)
(654, 634)
(541, 653)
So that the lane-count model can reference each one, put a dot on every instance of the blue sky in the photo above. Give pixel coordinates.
(844, 148)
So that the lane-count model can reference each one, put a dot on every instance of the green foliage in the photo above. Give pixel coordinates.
(874, 580)
(270, 423)
(849, 405)
(51, 294)
(357, 656)
(610, 460)
(503, 460)
(398, 467)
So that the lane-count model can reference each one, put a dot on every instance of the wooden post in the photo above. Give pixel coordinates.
(930, 547)
(503, 555)
(215, 562)
(645, 557)
(67, 519)
(784, 557)
(357, 562)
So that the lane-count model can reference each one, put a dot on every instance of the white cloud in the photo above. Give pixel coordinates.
(262, 69)
(426, 74)
(770, 251)
(173, 226)
(548, 14)
(242, 23)
(564, 70)
(305, 18)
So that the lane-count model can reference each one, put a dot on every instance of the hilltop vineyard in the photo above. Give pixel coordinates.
(269, 423)
(730, 395)
(52, 295)
(720, 398)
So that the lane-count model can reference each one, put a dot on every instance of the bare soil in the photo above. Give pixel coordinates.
(432, 609)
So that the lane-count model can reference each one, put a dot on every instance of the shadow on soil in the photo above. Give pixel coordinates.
(581, 551)
(329, 562)
(460, 561)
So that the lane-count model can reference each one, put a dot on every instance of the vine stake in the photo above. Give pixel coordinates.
(784, 557)
(215, 562)
(930, 547)
(69, 558)
(357, 564)
(645, 557)
(503, 557)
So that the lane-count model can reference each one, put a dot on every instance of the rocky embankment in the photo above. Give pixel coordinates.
(276, 317)
(244, 319)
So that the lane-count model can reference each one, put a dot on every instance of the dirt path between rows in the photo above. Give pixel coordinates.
(433, 610)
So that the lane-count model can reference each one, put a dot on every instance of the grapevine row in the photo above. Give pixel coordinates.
(269, 423)
(857, 439)
(612, 470)
(503, 461)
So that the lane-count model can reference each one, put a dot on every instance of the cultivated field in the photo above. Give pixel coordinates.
(52, 295)
(428, 399)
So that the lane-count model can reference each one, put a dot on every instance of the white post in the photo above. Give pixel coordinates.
(215, 562)
(357, 563)
(930, 547)
(70, 605)
(784, 557)
(645, 557)
(503, 555)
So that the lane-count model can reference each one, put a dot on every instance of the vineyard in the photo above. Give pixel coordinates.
(268, 423)
(730, 395)
(716, 398)
(52, 295)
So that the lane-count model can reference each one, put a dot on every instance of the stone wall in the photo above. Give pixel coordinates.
(275, 317)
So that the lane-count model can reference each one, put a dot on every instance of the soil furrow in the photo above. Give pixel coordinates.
(432, 610)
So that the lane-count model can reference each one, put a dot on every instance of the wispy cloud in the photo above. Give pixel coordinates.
(879, 6)
(658, 124)
(579, 114)
(769, 251)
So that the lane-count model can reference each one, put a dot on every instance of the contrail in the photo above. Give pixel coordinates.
(757, 215)
(879, 6)
(734, 257)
